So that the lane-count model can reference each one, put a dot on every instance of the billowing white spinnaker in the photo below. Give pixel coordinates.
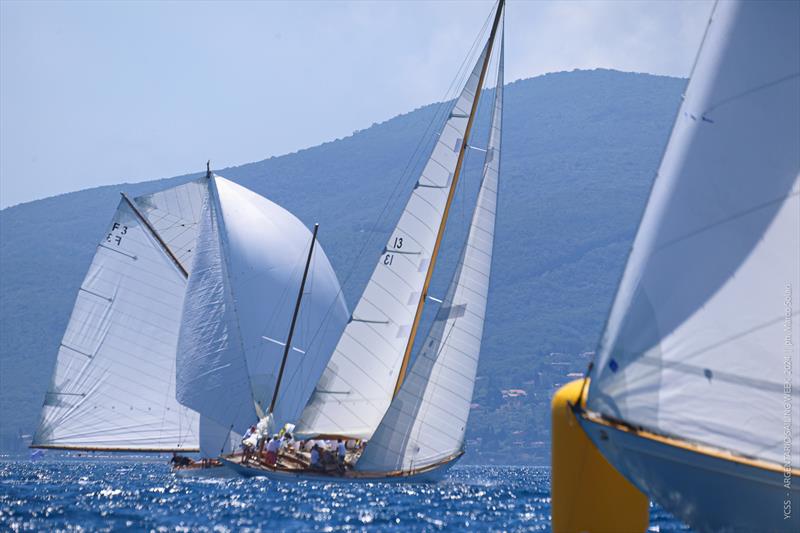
(247, 270)
(358, 384)
(113, 386)
(427, 420)
(696, 343)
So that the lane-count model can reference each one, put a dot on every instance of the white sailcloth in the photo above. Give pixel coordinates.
(247, 269)
(113, 386)
(357, 386)
(427, 420)
(701, 340)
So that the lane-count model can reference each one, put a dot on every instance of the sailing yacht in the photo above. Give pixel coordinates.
(693, 394)
(413, 420)
(131, 370)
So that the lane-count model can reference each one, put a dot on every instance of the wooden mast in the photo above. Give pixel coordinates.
(450, 196)
(288, 345)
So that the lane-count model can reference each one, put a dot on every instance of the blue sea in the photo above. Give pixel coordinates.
(115, 495)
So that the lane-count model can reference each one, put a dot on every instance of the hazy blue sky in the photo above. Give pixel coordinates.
(94, 93)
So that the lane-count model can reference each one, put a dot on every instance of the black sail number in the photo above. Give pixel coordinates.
(117, 231)
(388, 259)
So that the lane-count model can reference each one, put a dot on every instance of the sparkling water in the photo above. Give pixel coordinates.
(115, 495)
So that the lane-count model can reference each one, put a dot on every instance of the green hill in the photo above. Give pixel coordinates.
(580, 150)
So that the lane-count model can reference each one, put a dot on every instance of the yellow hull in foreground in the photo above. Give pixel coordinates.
(587, 493)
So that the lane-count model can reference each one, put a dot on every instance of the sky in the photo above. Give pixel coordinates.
(97, 93)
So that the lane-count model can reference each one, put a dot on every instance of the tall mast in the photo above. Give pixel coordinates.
(450, 196)
(294, 321)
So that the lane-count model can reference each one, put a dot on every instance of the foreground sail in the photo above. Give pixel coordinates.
(698, 363)
(113, 387)
(427, 420)
(368, 365)
(245, 276)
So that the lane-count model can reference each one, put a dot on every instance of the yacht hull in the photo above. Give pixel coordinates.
(432, 474)
(204, 472)
(707, 491)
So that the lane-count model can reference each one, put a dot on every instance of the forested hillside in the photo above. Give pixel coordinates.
(580, 150)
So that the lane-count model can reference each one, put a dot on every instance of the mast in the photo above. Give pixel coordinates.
(450, 196)
(294, 321)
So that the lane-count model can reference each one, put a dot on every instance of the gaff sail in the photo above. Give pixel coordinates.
(113, 387)
(698, 345)
(358, 384)
(246, 272)
(427, 420)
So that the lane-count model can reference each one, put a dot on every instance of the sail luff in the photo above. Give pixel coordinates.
(448, 203)
(426, 422)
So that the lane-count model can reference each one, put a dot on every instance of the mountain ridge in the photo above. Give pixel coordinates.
(580, 151)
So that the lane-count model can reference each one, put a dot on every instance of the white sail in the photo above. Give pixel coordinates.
(357, 386)
(113, 386)
(175, 213)
(701, 340)
(217, 439)
(427, 420)
(247, 269)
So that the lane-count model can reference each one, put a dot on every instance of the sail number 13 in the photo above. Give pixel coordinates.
(388, 259)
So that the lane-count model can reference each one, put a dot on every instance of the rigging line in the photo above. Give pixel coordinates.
(719, 343)
(599, 347)
(751, 91)
(732, 217)
(414, 158)
(459, 165)
(403, 178)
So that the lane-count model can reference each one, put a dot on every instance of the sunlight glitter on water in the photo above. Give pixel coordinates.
(112, 495)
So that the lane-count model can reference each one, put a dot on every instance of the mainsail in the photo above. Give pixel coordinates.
(427, 420)
(367, 366)
(246, 272)
(113, 387)
(701, 341)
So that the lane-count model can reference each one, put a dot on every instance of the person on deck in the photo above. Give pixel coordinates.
(272, 451)
(341, 453)
(315, 463)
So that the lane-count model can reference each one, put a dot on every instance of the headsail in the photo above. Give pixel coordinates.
(247, 270)
(357, 386)
(426, 421)
(699, 338)
(113, 387)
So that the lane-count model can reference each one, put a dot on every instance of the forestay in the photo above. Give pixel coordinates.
(426, 421)
(247, 270)
(113, 386)
(699, 338)
(357, 386)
